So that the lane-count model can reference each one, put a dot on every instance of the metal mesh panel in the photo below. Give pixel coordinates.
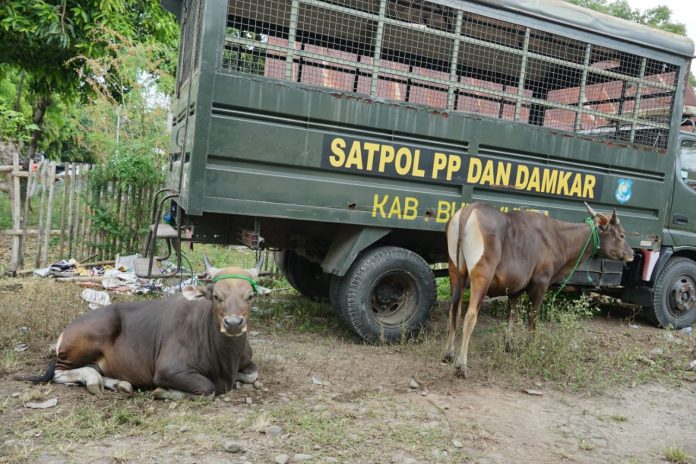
(428, 54)
(190, 40)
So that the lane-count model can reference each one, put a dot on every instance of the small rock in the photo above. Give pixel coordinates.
(171, 428)
(247, 386)
(15, 394)
(412, 384)
(691, 367)
(669, 337)
(46, 404)
(299, 457)
(282, 459)
(227, 399)
(21, 347)
(457, 444)
(182, 429)
(633, 325)
(24, 330)
(231, 446)
(655, 352)
(317, 447)
(533, 392)
(258, 385)
(254, 333)
(274, 431)
(318, 381)
(330, 460)
(248, 400)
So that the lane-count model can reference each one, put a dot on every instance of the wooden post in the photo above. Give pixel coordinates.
(42, 178)
(88, 217)
(71, 207)
(64, 209)
(49, 213)
(84, 190)
(78, 205)
(32, 179)
(16, 213)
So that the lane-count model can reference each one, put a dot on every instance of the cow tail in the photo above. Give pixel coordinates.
(46, 377)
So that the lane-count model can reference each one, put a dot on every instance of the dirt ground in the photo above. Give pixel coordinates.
(337, 400)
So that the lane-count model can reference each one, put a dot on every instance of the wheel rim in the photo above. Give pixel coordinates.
(394, 298)
(682, 296)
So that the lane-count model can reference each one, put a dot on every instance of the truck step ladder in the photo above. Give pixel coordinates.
(146, 267)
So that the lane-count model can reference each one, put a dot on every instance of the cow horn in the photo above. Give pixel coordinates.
(592, 212)
(614, 218)
(209, 269)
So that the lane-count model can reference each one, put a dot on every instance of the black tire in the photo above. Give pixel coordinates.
(387, 294)
(674, 298)
(335, 298)
(305, 276)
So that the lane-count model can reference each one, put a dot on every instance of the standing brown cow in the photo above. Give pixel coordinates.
(511, 253)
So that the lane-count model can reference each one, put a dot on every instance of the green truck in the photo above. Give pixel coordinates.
(343, 134)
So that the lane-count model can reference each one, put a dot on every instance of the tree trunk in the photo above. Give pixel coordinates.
(18, 100)
(39, 112)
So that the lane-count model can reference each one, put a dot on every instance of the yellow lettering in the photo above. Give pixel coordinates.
(355, 156)
(562, 188)
(590, 182)
(548, 181)
(576, 190)
(488, 175)
(439, 163)
(338, 156)
(454, 165)
(502, 177)
(410, 208)
(386, 156)
(534, 180)
(403, 161)
(417, 171)
(395, 209)
(445, 210)
(378, 205)
(522, 177)
(475, 168)
(371, 149)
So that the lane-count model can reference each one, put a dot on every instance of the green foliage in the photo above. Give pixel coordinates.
(659, 17)
(244, 58)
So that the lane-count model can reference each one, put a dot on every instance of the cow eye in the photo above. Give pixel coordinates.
(217, 298)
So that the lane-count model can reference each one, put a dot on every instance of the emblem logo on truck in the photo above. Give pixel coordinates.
(624, 191)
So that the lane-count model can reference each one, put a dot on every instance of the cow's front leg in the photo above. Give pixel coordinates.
(182, 382)
(512, 308)
(248, 373)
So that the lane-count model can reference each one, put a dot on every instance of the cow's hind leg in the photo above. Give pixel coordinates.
(88, 376)
(480, 280)
(512, 303)
(457, 283)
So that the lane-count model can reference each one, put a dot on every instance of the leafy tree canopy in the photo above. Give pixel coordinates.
(659, 17)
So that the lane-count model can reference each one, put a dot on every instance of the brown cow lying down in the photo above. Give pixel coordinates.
(190, 344)
(509, 254)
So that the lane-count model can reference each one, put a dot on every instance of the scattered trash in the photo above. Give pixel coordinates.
(633, 325)
(24, 330)
(318, 381)
(688, 331)
(21, 347)
(177, 288)
(126, 263)
(96, 299)
(46, 404)
(692, 365)
(533, 392)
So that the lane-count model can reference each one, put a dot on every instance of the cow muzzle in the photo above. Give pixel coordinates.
(233, 326)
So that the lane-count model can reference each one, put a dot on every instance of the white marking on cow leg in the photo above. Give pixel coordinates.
(118, 385)
(60, 340)
(472, 244)
(84, 375)
(453, 236)
(249, 375)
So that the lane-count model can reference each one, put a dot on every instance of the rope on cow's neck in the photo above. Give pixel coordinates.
(253, 283)
(594, 238)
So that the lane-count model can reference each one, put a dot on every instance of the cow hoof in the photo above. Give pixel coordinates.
(168, 394)
(461, 371)
(248, 376)
(95, 388)
(125, 387)
(448, 358)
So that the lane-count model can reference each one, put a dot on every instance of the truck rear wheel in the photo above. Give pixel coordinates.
(674, 299)
(305, 276)
(387, 294)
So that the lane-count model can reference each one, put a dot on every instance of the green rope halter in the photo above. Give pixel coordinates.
(594, 237)
(253, 283)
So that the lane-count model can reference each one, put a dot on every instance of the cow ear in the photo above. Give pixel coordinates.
(191, 292)
(601, 221)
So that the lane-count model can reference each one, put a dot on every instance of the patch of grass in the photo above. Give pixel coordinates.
(676, 455)
(586, 445)
(618, 418)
